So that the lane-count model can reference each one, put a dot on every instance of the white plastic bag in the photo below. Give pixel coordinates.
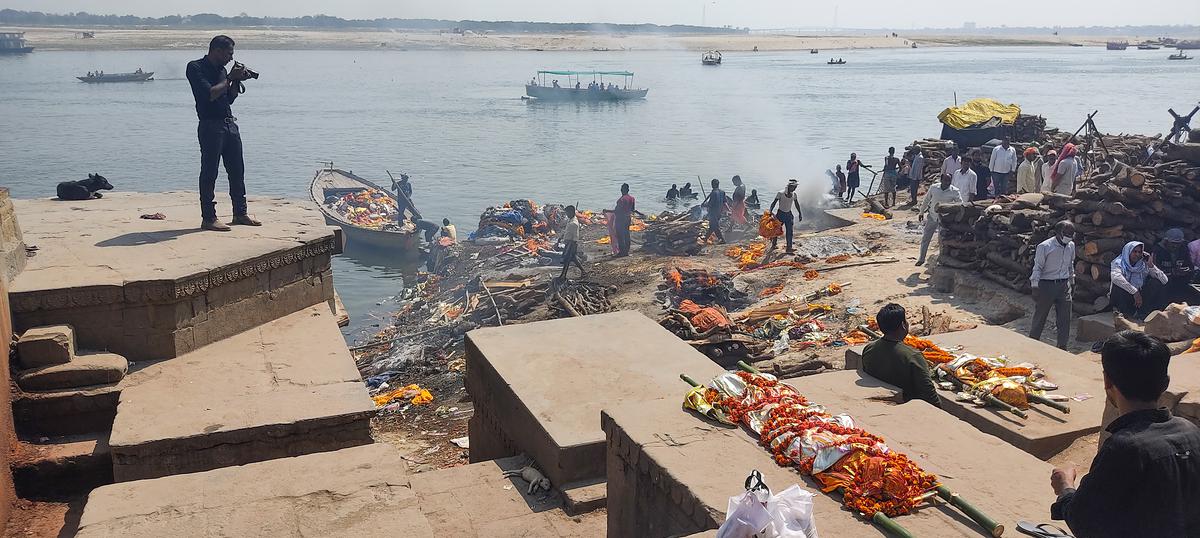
(788, 514)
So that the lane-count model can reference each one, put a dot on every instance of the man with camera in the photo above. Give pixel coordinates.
(215, 89)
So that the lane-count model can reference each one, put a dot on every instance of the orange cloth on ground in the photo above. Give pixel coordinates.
(708, 318)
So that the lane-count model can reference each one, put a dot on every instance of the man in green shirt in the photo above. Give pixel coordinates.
(890, 360)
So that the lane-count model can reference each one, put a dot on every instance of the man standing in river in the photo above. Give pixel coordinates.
(215, 89)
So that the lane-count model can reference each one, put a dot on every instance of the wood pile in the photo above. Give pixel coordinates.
(1027, 128)
(508, 302)
(703, 287)
(1116, 203)
(674, 235)
(581, 298)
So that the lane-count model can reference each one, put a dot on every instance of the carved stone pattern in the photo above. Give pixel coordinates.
(251, 268)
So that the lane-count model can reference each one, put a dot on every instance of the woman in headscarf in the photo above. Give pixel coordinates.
(1062, 174)
(1128, 275)
(1029, 172)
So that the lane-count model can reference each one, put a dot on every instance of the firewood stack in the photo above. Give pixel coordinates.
(1027, 128)
(1117, 204)
(580, 298)
(674, 236)
(705, 288)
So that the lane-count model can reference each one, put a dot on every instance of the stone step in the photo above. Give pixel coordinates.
(66, 412)
(356, 491)
(584, 497)
(61, 467)
(46, 346)
(286, 388)
(84, 370)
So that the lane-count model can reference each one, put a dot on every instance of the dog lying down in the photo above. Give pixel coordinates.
(85, 189)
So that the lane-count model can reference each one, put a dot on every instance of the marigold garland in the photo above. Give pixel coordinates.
(872, 477)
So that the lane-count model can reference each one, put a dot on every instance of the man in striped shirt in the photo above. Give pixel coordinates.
(1052, 279)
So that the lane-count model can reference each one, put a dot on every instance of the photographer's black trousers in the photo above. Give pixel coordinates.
(220, 140)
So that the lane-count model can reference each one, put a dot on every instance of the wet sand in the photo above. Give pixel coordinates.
(367, 39)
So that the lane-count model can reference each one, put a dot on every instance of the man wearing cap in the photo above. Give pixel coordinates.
(1171, 255)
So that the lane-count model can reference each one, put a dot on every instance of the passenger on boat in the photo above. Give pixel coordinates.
(533, 81)
(577, 85)
(403, 194)
(673, 193)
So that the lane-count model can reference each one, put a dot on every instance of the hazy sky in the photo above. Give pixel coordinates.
(752, 13)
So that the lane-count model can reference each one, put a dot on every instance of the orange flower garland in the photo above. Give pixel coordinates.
(872, 477)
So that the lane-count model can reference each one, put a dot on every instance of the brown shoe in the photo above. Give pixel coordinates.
(245, 220)
(214, 225)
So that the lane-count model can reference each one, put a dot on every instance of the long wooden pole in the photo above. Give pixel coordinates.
(411, 205)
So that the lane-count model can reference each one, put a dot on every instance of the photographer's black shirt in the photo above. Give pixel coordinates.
(203, 75)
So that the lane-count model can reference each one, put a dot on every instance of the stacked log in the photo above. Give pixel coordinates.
(675, 237)
(1123, 203)
(581, 299)
(1027, 128)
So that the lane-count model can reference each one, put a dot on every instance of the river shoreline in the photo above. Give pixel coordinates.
(133, 38)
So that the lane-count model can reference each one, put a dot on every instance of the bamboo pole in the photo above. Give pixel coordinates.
(687, 379)
(1036, 398)
(967, 508)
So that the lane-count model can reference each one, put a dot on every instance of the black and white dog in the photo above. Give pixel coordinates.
(84, 189)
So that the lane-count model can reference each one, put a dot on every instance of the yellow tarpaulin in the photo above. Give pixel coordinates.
(978, 111)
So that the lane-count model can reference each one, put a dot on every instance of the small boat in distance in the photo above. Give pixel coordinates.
(839, 61)
(712, 57)
(1147, 46)
(1179, 56)
(13, 42)
(1117, 45)
(813, 51)
(334, 190)
(100, 76)
(544, 87)
(1076, 44)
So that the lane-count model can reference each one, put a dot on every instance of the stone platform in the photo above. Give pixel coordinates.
(351, 492)
(286, 388)
(538, 388)
(671, 472)
(1046, 432)
(156, 289)
(360, 491)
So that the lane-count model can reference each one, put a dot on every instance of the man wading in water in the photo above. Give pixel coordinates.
(214, 90)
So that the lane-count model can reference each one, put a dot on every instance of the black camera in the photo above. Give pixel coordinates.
(250, 73)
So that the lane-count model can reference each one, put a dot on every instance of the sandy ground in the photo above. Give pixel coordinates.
(423, 433)
(304, 39)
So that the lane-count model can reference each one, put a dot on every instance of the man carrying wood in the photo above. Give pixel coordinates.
(1052, 280)
(943, 193)
(892, 361)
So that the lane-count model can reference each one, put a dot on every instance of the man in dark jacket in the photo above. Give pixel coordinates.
(890, 360)
(1145, 480)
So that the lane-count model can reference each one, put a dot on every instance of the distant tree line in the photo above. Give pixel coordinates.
(210, 20)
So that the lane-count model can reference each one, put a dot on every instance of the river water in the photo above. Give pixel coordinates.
(455, 122)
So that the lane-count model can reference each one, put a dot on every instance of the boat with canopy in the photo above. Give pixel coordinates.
(546, 87)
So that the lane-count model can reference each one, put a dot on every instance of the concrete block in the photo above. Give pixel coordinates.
(46, 346)
(349, 492)
(1046, 432)
(285, 388)
(543, 384)
(85, 370)
(66, 412)
(1095, 327)
(671, 472)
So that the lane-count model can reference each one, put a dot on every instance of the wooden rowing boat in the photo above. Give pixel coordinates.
(331, 183)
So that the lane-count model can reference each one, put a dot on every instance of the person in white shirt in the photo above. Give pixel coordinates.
(916, 174)
(1048, 161)
(785, 200)
(448, 230)
(570, 242)
(942, 193)
(1052, 279)
(1002, 163)
(1128, 275)
(965, 180)
(951, 163)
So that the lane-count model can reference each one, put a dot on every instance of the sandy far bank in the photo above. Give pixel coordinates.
(303, 39)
